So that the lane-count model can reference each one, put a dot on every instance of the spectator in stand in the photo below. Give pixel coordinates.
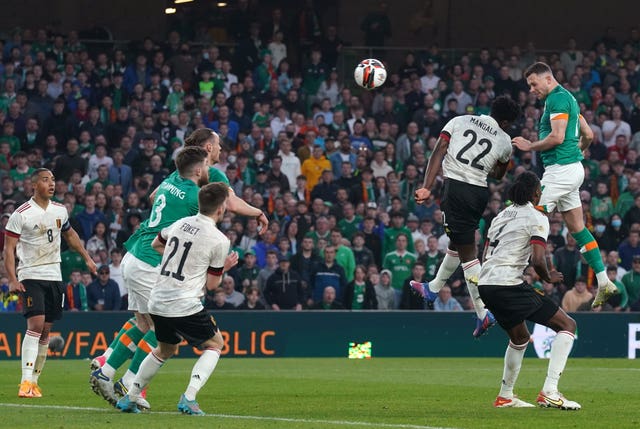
(313, 167)
(270, 268)
(232, 296)
(284, 289)
(252, 300)
(615, 127)
(631, 282)
(408, 299)
(629, 249)
(328, 301)
(120, 173)
(385, 294)
(445, 302)
(360, 294)
(327, 274)
(103, 294)
(89, 217)
(400, 263)
(576, 296)
(218, 301)
(75, 293)
(70, 161)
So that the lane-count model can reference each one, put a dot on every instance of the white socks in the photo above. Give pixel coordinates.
(447, 268)
(29, 354)
(512, 363)
(201, 372)
(602, 278)
(471, 275)
(43, 348)
(560, 350)
(148, 368)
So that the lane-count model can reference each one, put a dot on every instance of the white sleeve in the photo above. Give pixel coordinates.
(218, 255)
(450, 127)
(539, 227)
(14, 224)
(506, 154)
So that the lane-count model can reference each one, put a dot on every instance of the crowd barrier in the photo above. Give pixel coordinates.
(330, 334)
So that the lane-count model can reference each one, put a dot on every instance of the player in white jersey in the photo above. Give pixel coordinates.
(517, 234)
(470, 149)
(33, 233)
(196, 253)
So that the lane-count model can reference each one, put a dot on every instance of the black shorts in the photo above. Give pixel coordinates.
(43, 297)
(462, 206)
(512, 305)
(196, 328)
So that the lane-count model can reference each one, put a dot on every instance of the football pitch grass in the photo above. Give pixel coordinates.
(332, 393)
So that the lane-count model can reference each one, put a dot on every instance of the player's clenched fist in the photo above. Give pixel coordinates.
(421, 195)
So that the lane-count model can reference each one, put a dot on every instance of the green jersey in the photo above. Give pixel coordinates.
(179, 199)
(400, 267)
(176, 197)
(216, 175)
(560, 104)
(349, 228)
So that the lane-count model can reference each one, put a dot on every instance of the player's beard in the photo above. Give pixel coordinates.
(203, 179)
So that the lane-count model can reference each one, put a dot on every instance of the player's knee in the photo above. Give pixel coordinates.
(519, 339)
(165, 351)
(569, 325)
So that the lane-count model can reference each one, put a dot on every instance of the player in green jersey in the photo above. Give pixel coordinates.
(210, 141)
(564, 134)
(140, 338)
(176, 197)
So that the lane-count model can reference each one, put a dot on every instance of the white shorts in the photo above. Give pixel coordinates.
(140, 278)
(561, 187)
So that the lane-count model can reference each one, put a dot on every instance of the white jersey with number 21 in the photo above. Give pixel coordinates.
(476, 144)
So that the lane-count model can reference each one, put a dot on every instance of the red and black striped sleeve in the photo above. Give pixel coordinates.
(540, 241)
(444, 135)
(215, 271)
(11, 234)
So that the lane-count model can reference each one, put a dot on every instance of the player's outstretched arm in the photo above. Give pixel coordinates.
(241, 207)
(433, 168)
(73, 240)
(555, 137)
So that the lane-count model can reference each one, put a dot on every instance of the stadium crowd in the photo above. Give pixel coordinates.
(335, 170)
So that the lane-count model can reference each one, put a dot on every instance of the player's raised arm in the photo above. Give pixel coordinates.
(241, 207)
(433, 168)
(556, 136)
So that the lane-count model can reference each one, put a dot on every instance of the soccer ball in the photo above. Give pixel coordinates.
(370, 73)
(56, 344)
